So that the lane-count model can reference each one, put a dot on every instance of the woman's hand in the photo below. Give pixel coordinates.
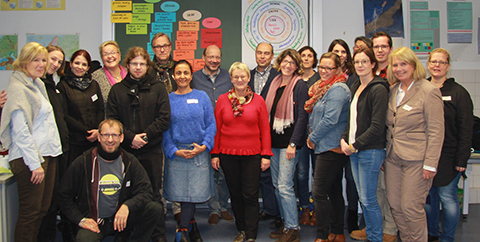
(93, 135)
(198, 149)
(310, 144)
(265, 164)
(3, 98)
(138, 141)
(345, 147)
(37, 176)
(459, 168)
(184, 153)
(290, 154)
(428, 174)
(215, 163)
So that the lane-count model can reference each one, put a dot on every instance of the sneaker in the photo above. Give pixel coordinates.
(213, 219)
(291, 235)
(250, 240)
(359, 234)
(278, 233)
(390, 238)
(226, 216)
(240, 237)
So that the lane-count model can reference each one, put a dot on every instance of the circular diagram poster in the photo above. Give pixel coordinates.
(280, 23)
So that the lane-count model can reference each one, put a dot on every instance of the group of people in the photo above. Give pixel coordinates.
(106, 147)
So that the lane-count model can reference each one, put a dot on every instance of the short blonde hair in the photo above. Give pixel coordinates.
(407, 55)
(440, 50)
(29, 52)
(239, 66)
(295, 56)
(109, 42)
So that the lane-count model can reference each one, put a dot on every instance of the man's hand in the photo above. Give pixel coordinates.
(91, 225)
(138, 141)
(120, 221)
(93, 135)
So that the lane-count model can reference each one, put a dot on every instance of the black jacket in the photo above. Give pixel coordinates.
(76, 189)
(59, 109)
(141, 109)
(372, 107)
(263, 93)
(85, 109)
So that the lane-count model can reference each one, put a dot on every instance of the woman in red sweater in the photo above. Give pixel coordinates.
(242, 148)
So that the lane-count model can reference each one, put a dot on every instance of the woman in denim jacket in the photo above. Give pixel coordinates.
(328, 105)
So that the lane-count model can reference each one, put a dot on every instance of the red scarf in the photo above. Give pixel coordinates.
(319, 88)
(238, 102)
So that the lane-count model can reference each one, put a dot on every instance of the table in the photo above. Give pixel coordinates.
(8, 207)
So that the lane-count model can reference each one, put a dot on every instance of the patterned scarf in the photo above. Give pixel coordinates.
(162, 73)
(238, 102)
(81, 83)
(319, 88)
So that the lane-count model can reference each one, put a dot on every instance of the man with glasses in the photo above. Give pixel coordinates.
(215, 81)
(122, 199)
(163, 61)
(141, 103)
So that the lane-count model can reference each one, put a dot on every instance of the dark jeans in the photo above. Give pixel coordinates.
(327, 193)
(306, 157)
(243, 180)
(34, 200)
(152, 161)
(352, 194)
(142, 223)
(270, 205)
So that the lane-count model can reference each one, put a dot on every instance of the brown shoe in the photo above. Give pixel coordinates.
(213, 219)
(359, 234)
(390, 238)
(305, 218)
(291, 235)
(313, 219)
(321, 240)
(336, 237)
(277, 233)
(226, 216)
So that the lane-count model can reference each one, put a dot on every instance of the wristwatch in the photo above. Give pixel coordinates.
(292, 145)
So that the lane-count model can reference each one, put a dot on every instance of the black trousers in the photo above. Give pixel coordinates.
(327, 193)
(242, 174)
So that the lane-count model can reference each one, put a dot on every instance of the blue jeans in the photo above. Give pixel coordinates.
(283, 172)
(447, 195)
(219, 202)
(303, 168)
(365, 168)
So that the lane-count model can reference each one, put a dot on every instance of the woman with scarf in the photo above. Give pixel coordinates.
(242, 148)
(112, 72)
(84, 102)
(328, 108)
(288, 120)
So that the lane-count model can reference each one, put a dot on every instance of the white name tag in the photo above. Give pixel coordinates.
(127, 184)
(447, 98)
(189, 101)
(407, 107)
(56, 90)
(94, 97)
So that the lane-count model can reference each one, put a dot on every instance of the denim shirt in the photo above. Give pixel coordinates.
(329, 118)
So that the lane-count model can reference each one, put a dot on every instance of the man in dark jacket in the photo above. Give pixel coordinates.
(141, 103)
(106, 188)
(163, 62)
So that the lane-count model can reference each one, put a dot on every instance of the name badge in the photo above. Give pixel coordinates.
(407, 107)
(57, 91)
(190, 101)
(127, 184)
(94, 97)
(447, 98)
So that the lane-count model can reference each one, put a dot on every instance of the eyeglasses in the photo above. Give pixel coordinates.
(376, 47)
(213, 57)
(239, 77)
(363, 62)
(114, 136)
(292, 63)
(442, 63)
(108, 54)
(135, 64)
(323, 68)
(158, 47)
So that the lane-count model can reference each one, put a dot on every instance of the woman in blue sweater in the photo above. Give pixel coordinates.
(188, 175)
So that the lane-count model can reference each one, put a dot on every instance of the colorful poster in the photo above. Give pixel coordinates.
(8, 51)
(460, 22)
(22, 5)
(69, 43)
(424, 31)
(381, 15)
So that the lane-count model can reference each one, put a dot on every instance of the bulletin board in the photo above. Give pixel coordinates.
(217, 22)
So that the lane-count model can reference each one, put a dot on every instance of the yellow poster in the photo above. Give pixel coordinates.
(121, 17)
(121, 5)
(37, 5)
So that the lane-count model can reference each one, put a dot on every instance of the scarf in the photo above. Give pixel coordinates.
(111, 79)
(134, 86)
(108, 156)
(284, 116)
(318, 90)
(162, 73)
(238, 102)
(81, 83)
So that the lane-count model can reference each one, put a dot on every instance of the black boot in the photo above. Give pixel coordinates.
(194, 233)
(352, 221)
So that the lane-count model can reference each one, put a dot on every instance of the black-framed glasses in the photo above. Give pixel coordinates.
(114, 136)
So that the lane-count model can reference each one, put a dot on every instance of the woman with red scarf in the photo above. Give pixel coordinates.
(328, 108)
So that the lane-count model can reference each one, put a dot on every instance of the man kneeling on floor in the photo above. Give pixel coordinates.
(106, 191)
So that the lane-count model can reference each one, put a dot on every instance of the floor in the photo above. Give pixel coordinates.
(467, 230)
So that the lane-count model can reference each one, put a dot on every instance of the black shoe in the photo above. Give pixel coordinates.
(265, 216)
(432, 238)
(277, 223)
(194, 233)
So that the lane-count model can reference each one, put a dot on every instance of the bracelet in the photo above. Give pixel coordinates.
(352, 149)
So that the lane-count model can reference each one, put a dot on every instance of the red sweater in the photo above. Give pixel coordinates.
(248, 134)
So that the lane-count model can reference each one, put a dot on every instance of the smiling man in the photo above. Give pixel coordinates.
(123, 200)
(163, 61)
